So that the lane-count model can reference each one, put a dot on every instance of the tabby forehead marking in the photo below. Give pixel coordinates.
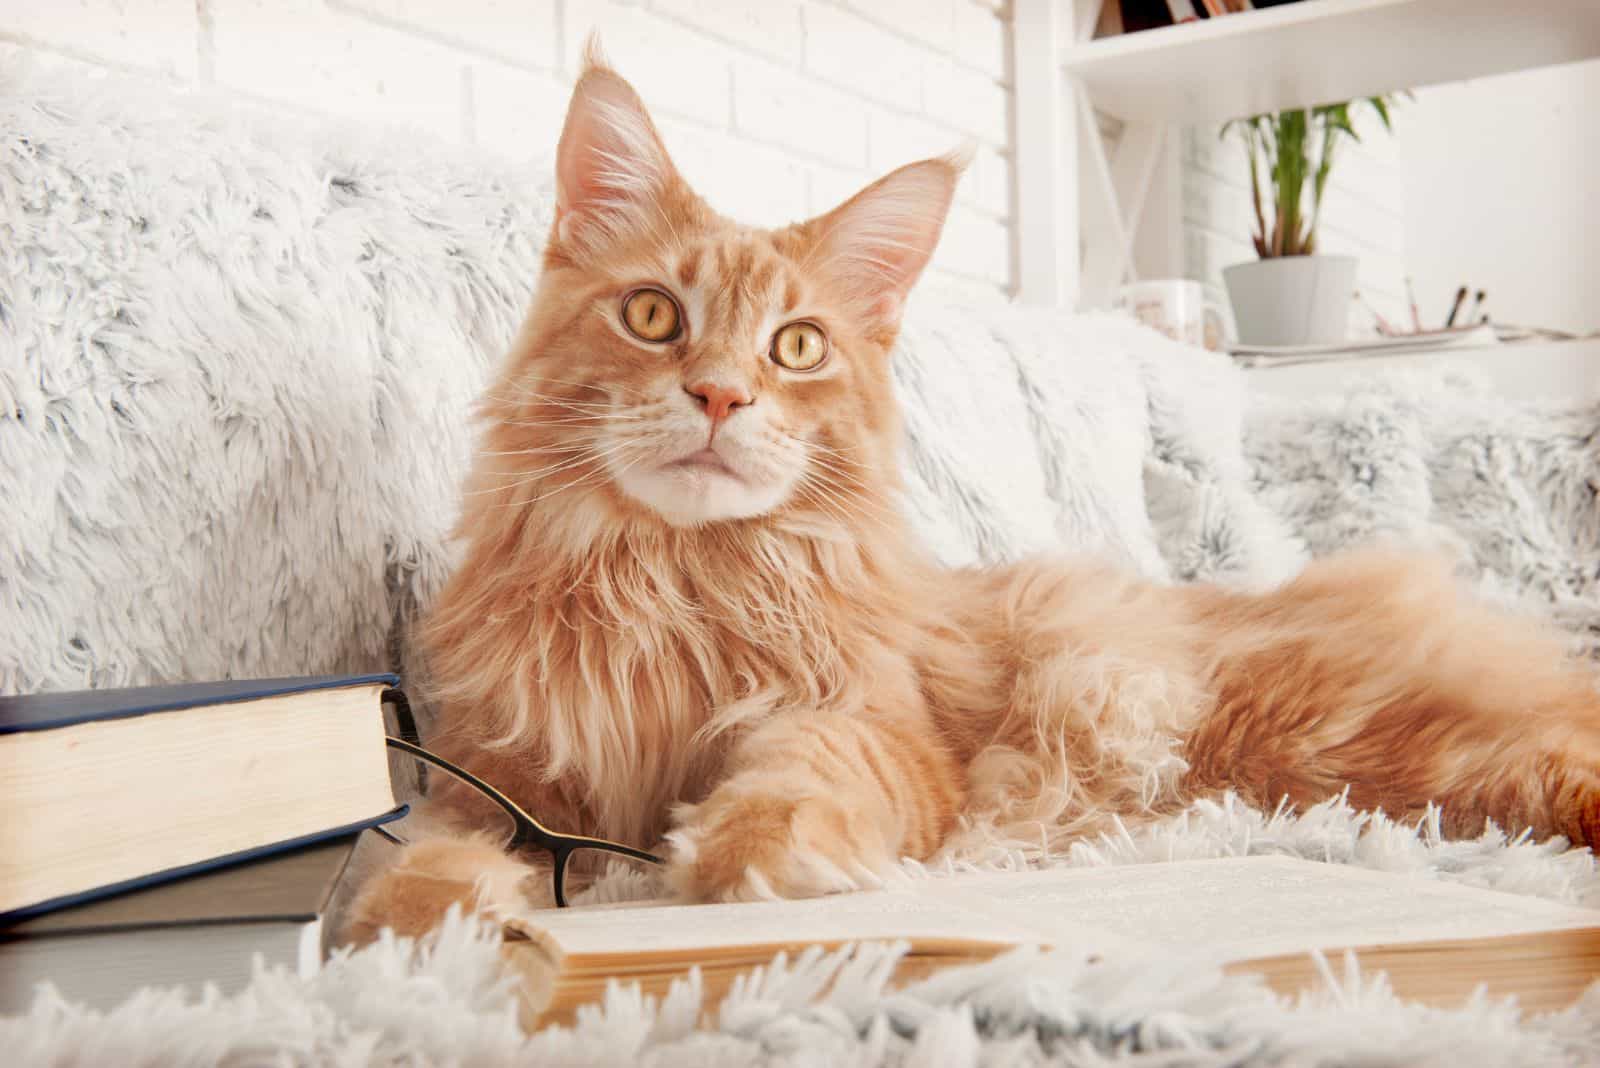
(741, 288)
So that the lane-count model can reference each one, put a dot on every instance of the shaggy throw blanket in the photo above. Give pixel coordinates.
(237, 356)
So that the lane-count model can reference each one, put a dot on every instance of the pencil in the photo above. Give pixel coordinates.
(1383, 324)
(1411, 295)
(1455, 308)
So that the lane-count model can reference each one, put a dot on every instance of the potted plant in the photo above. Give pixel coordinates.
(1293, 295)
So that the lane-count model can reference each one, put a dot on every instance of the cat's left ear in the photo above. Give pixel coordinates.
(611, 167)
(877, 243)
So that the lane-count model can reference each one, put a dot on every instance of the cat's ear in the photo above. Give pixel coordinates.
(611, 167)
(876, 244)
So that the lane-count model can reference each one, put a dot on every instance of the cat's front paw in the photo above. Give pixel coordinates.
(750, 846)
(413, 894)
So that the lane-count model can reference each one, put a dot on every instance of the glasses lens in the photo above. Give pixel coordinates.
(598, 876)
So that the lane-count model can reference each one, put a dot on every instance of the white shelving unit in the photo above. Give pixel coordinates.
(1077, 243)
(1567, 371)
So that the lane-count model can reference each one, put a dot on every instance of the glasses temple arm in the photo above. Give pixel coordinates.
(527, 826)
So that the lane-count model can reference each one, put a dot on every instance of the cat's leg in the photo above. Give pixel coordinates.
(455, 853)
(412, 892)
(1377, 673)
(1096, 687)
(814, 804)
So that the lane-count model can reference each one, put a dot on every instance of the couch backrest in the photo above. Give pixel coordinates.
(237, 355)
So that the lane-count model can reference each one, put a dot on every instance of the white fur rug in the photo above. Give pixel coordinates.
(446, 1003)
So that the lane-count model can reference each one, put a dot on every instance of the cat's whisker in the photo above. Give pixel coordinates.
(823, 476)
(573, 446)
(842, 477)
(851, 514)
(818, 450)
(835, 467)
(576, 421)
(592, 478)
(530, 477)
(832, 512)
(844, 482)
(622, 386)
(538, 400)
(853, 509)
(543, 451)
(828, 450)
(514, 391)
(599, 412)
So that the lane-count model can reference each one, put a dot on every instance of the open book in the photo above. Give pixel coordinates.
(1437, 941)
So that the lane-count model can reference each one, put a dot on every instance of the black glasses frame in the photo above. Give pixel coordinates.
(529, 832)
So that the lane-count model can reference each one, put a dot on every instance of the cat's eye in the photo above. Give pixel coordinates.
(651, 315)
(800, 347)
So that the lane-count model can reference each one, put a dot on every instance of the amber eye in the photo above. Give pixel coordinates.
(651, 315)
(799, 347)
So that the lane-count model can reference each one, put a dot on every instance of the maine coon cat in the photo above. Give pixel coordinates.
(688, 616)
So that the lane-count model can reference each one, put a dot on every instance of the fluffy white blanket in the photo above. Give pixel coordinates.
(237, 356)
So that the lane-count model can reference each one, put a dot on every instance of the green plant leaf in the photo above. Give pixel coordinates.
(1381, 106)
(1295, 151)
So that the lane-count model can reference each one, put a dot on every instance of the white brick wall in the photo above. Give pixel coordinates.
(1362, 213)
(775, 109)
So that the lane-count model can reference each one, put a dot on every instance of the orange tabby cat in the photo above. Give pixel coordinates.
(689, 615)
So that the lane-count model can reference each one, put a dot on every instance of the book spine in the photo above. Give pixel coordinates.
(1183, 11)
(1140, 15)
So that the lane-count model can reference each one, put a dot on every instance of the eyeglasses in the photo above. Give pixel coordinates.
(575, 859)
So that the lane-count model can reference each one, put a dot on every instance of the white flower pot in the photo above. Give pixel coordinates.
(1292, 300)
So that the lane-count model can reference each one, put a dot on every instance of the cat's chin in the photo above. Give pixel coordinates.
(695, 491)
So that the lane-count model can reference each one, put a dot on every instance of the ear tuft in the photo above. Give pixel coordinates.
(877, 243)
(961, 156)
(594, 55)
(611, 167)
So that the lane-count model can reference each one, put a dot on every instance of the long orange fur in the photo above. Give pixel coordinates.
(790, 701)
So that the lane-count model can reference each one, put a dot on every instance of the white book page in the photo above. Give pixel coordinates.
(872, 915)
(1252, 907)
(1231, 909)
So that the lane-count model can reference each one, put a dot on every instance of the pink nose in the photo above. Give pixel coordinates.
(718, 401)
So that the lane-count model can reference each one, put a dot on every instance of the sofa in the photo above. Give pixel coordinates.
(238, 353)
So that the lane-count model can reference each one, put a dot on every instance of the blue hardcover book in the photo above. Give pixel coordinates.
(108, 790)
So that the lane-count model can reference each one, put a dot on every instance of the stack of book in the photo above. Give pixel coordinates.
(1131, 16)
(169, 835)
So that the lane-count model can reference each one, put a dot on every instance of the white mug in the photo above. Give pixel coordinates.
(1180, 308)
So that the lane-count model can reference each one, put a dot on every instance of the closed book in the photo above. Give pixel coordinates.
(1144, 15)
(103, 789)
(208, 928)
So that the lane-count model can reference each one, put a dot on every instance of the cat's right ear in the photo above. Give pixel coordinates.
(611, 168)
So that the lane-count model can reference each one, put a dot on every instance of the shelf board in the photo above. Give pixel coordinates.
(1322, 51)
(1565, 372)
